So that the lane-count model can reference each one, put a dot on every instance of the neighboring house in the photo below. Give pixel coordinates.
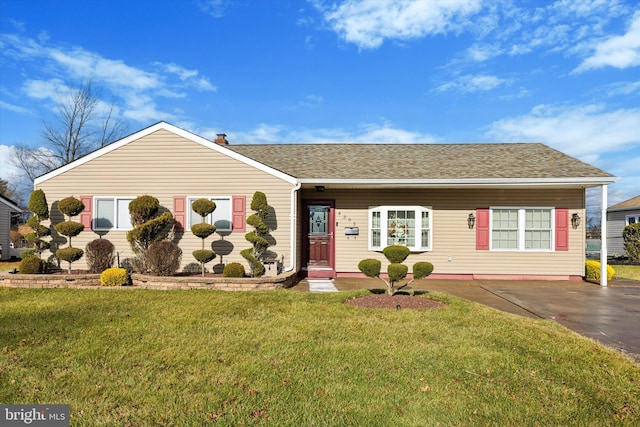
(8, 208)
(618, 217)
(473, 210)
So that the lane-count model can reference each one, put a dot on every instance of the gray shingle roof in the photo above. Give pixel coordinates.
(419, 161)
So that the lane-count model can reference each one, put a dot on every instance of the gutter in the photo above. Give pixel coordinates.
(292, 231)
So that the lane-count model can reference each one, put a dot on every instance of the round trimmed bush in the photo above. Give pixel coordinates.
(370, 267)
(422, 269)
(233, 269)
(203, 207)
(396, 253)
(69, 254)
(28, 253)
(203, 255)
(397, 272)
(69, 228)
(164, 257)
(203, 230)
(115, 277)
(70, 206)
(592, 271)
(99, 253)
(32, 265)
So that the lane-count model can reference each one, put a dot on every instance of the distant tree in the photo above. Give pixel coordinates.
(7, 190)
(203, 207)
(70, 207)
(79, 127)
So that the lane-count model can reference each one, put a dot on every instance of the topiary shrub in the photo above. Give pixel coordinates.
(592, 271)
(370, 267)
(164, 258)
(396, 271)
(257, 237)
(115, 277)
(422, 269)
(99, 253)
(148, 227)
(38, 205)
(32, 265)
(69, 254)
(203, 207)
(396, 253)
(631, 237)
(233, 269)
(70, 207)
(143, 208)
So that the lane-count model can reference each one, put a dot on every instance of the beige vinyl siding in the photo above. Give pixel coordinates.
(616, 222)
(165, 165)
(454, 244)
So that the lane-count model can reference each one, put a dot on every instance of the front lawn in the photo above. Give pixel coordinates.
(631, 272)
(190, 358)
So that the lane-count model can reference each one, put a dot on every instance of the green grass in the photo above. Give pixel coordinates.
(132, 357)
(631, 272)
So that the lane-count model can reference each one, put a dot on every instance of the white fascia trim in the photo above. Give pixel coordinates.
(173, 129)
(471, 182)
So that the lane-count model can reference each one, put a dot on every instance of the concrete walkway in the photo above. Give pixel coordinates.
(609, 315)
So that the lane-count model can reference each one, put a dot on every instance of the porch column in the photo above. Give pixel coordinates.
(603, 237)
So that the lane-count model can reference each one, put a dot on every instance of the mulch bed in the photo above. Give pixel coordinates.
(395, 302)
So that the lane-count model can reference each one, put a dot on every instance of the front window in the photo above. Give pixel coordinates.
(112, 213)
(522, 229)
(408, 226)
(220, 217)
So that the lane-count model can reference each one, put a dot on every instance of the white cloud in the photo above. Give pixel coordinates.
(138, 89)
(14, 108)
(581, 131)
(365, 134)
(616, 51)
(368, 23)
(215, 8)
(470, 84)
(7, 170)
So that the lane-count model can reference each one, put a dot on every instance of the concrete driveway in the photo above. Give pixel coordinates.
(609, 315)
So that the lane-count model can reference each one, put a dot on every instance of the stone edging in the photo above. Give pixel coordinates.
(142, 281)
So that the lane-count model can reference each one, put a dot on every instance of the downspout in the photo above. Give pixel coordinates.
(603, 237)
(294, 227)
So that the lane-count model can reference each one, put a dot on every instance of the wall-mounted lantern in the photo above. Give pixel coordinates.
(471, 221)
(575, 220)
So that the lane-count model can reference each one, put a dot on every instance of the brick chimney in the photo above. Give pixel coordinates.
(221, 139)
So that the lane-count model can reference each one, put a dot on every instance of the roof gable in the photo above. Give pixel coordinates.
(629, 204)
(13, 206)
(170, 128)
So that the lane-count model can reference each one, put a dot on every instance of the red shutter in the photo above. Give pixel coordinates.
(179, 213)
(482, 229)
(562, 229)
(238, 208)
(86, 216)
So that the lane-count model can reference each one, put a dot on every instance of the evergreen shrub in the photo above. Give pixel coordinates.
(233, 269)
(370, 267)
(396, 253)
(164, 258)
(592, 271)
(115, 277)
(99, 253)
(32, 265)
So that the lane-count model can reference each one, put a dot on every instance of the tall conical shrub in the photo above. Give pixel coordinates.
(148, 227)
(40, 209)
(70, 207)
(203, 207)
(257, 237)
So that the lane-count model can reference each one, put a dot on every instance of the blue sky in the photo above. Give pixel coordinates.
(565, 73)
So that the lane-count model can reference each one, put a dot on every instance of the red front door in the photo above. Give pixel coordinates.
(319, 232)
